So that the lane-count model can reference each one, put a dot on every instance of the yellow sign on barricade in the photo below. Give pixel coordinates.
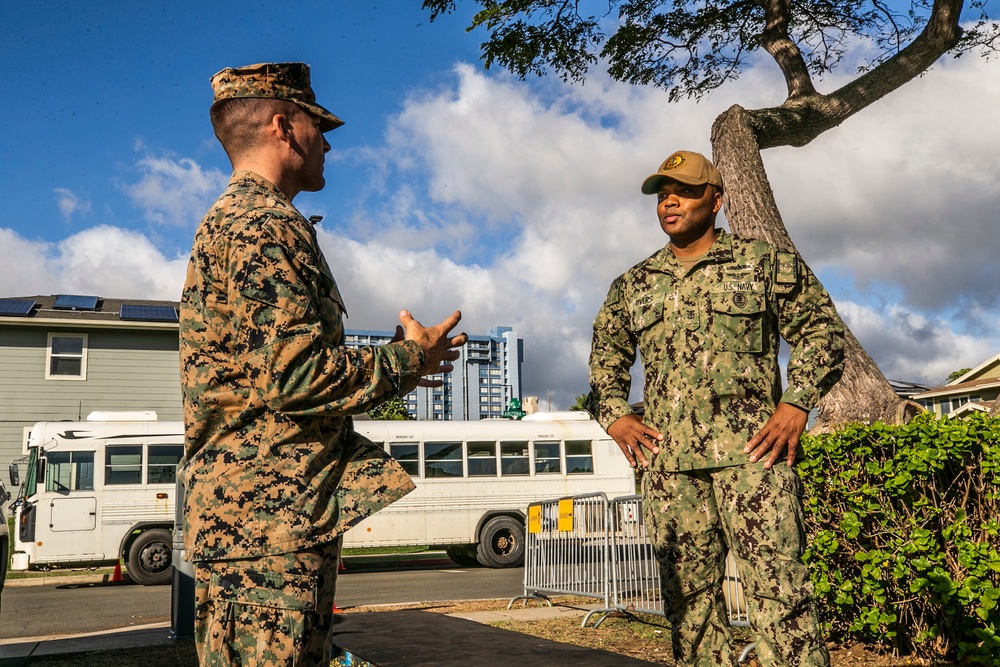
(534, 519)
(566, 515)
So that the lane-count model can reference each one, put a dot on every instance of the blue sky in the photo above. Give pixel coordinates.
(452, 187)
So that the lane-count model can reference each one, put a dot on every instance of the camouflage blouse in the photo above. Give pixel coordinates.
(708, 340)
(272, 461)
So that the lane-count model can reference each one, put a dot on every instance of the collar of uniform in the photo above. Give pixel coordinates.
(250, 177)
(720, 252)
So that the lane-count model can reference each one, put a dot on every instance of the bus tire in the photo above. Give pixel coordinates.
(149, 558)
(463, 554)
(501, 543)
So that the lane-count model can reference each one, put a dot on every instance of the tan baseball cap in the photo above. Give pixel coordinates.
(278, 81)
(684, 166)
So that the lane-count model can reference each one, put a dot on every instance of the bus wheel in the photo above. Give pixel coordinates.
(149, 558)
(501, 543)
(463, 554)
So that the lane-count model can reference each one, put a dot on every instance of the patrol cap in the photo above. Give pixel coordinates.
(278, 81)
(686, 167)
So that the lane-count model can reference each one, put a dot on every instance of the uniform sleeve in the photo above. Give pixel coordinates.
(809, 323)
(612, 356)
(288, 336)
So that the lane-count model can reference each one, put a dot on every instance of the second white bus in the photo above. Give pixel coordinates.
(475, 480)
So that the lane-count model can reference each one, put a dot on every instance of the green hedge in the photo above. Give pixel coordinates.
(904, 531)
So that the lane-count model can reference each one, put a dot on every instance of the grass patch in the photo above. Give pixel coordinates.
(380, 551)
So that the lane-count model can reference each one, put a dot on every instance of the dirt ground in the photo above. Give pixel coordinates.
(644, 637)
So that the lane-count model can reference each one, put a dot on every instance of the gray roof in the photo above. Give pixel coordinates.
(107, 309)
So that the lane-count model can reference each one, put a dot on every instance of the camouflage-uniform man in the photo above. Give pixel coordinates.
(706, 312)
(274, 470)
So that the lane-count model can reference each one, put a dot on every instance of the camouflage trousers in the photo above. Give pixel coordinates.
(693, 518)
(274, 610)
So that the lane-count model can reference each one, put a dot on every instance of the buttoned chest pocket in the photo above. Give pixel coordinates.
(329, 303)
(646, 312)
(738, 320)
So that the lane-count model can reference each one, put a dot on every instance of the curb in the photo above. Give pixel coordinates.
(351, 563)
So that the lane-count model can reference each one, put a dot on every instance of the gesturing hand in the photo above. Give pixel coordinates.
(437, 342)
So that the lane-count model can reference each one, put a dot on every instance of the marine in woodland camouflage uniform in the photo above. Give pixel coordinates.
(274, 470)
(706, 312)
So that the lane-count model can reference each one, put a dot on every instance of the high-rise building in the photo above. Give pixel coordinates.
(487, 375)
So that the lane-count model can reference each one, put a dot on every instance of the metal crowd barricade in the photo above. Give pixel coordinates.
(587, 546)
(635, 571)
(566, 550)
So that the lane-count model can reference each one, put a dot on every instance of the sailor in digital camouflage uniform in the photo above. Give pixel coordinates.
(274, 470)
(705, 313)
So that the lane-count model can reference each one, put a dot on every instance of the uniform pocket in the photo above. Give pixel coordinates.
(248, 586)
(738, 320)
(645, 312)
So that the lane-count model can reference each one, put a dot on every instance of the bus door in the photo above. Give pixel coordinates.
(71, 504)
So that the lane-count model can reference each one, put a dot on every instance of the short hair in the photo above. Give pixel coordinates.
(237, 121)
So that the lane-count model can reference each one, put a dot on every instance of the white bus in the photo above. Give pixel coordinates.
(475, 480)
(98, 492)
(103, 490)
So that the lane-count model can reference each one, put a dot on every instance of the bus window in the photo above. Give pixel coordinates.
(70, 471)
(547, 457)
(579, 457)
(163, 461)
(482, 459)
(514, 457)
(407, 455)
(123, 464)
(442, 459)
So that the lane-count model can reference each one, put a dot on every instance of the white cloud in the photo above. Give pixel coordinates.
(70, 203)
(175, 191)
(911, 347)
(103, 261)
(899, 200)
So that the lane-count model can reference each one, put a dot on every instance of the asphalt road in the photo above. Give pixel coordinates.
(36, 611)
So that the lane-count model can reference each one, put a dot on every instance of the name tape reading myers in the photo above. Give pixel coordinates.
(564, 523)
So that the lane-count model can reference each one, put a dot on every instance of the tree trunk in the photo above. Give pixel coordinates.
(995, 410)
(862, 395)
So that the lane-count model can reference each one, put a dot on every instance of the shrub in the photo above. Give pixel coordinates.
(904, 530)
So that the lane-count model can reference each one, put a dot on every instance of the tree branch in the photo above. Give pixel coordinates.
(777, 42)
(801, 119)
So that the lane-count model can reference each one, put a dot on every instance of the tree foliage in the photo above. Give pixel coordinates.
(957, 374)
(393, 409)
(691, 48)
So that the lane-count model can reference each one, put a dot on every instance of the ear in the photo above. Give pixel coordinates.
(717, 203)
(281, 127)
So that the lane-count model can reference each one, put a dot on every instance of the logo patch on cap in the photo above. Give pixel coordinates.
(673, 162)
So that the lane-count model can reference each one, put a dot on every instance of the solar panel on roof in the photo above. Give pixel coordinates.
(18, 307)
(148, 313)
(75, 302)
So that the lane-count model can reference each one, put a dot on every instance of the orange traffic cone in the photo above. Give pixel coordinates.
(117, 576)
(335, 609)
(341, 567)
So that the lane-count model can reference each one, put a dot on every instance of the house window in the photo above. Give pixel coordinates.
(66, 357)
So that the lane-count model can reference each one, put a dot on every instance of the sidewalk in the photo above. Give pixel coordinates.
(405, 638)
